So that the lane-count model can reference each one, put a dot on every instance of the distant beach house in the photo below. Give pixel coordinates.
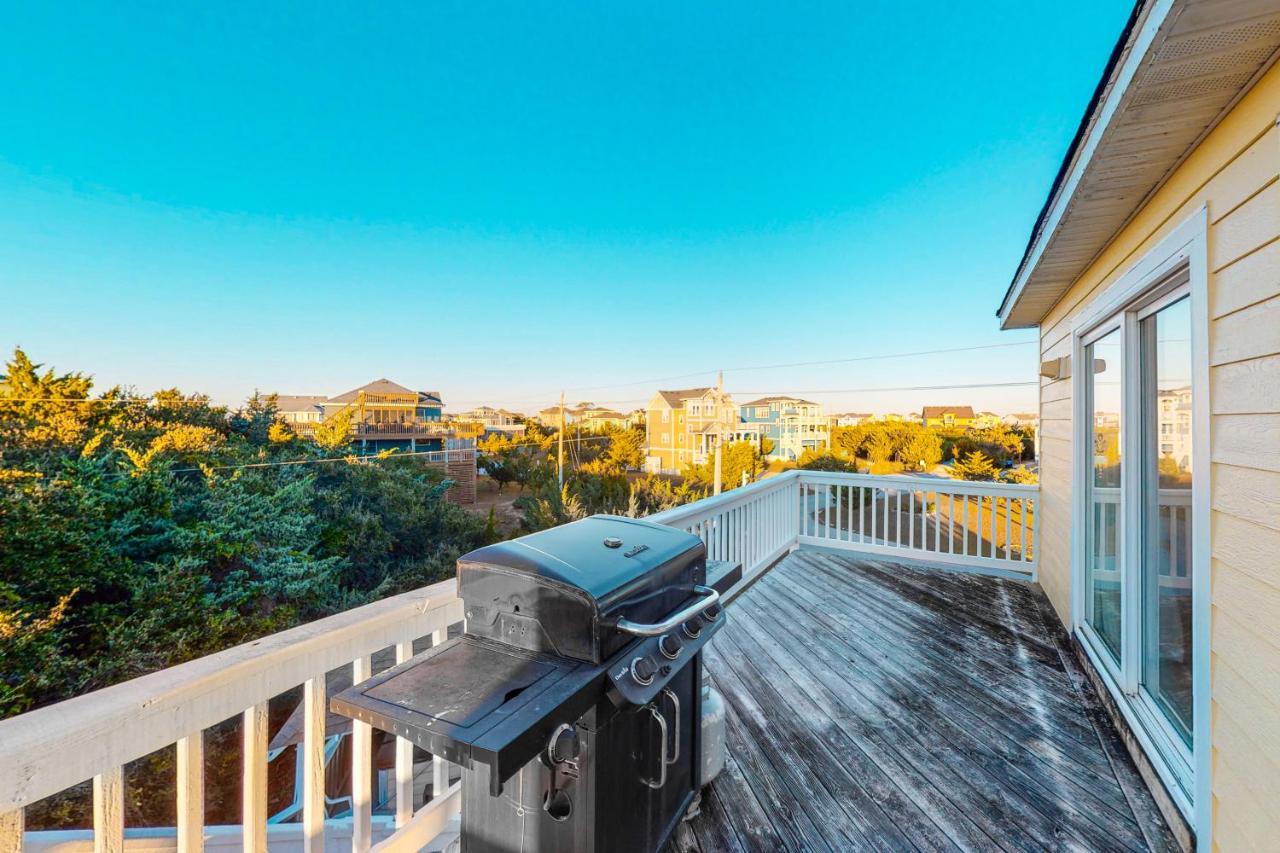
(793, 425)
(682, 427)
(385, 415)
(947, 416)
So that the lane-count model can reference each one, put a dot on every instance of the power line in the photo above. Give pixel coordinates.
(779, 366)
(369, 458)
(899, 388)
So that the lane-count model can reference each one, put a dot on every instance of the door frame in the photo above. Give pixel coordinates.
(1150, 279)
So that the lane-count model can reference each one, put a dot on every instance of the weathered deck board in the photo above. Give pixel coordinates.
(878, 707)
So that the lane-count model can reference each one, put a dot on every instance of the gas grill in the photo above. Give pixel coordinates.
(573, 701)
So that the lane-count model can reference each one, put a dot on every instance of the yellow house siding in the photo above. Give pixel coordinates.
(1234, 173)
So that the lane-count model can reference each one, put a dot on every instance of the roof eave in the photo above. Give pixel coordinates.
(1139, 32)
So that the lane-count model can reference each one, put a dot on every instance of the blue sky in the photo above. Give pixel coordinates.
(501, 200)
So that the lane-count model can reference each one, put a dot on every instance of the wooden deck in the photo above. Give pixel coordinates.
(877, 707)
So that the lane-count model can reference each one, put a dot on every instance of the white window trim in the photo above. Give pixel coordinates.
(1185, 246)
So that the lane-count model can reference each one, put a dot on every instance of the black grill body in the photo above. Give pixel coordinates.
(576, 722)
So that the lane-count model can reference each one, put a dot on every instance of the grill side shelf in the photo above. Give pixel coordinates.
(446, 699)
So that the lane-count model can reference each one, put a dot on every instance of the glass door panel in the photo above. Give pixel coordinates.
(1103, 588)
(1166, 513)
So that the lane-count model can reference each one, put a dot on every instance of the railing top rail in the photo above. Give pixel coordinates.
(112, 726)
(940, 484)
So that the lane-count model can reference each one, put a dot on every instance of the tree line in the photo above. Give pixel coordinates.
(133, 537)
(887, 447)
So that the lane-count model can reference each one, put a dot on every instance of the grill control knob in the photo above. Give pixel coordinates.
(643, 670)
(670, 646)
(691, 629)
(712, 612)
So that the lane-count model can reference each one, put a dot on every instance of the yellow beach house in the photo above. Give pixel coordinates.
(681, 427)
(947, 416)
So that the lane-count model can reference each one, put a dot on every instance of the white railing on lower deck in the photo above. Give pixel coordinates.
(953, 523)
(95, 735)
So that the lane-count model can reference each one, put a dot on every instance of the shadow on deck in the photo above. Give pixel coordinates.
(874, 706)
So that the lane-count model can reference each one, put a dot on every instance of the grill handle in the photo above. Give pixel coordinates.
(657, 629)
(662, 757)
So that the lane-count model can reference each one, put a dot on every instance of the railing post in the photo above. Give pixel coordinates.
(1035, 538)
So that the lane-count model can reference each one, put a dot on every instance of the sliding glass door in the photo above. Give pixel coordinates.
(1134, 520)
(1165, 554)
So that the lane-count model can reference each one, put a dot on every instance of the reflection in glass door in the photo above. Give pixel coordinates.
(1166, 513)
(1103, 581)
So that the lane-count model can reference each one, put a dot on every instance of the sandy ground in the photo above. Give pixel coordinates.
(503, 504)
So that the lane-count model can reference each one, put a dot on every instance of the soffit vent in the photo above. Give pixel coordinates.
(1186, 89)
(1226, 38)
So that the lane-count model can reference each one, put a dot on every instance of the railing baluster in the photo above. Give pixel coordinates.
(253, 794)
(834, 505)
(884, 534)
(937, 521)
(190, 781)
(951, 522)
(404, 756)
(439, 767)
(1008, 528)
(898, 516)
(911, 531)
(848, 512)
(1022, 540)
(108, 811)
(361, 769)
(862, 515)
(313, 714)
(11, 824)
(964, 521)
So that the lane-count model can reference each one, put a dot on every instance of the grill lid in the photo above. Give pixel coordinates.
(600, 555)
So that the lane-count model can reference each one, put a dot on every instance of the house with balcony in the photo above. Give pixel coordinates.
(960, 417)
(791, 425)
(384, 415)
(682, 427)
(1089, 663)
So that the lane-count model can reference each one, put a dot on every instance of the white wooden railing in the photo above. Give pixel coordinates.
(983, 526)
(94, 736)
(753, 525)
(952, 523)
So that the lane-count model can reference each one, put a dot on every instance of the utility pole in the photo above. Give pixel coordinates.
(719, 430)
(560, 461)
